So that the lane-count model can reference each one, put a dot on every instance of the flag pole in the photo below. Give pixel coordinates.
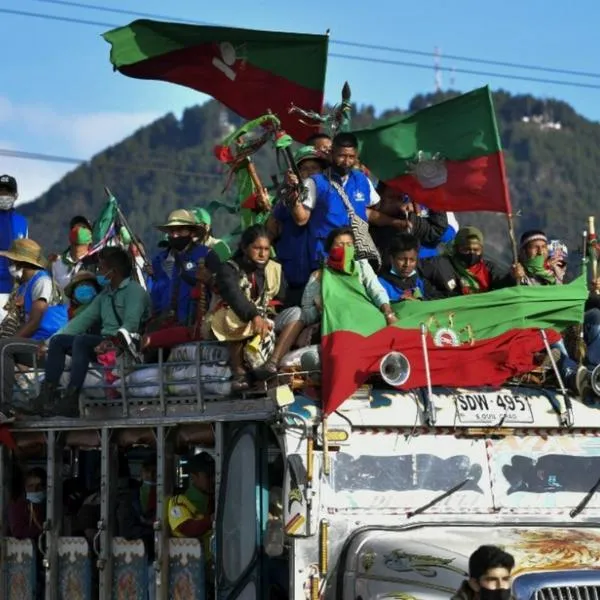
(508, 207)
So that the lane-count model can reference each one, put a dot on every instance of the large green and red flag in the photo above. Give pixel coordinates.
(472, 341)
(249, 71)
(447, 156)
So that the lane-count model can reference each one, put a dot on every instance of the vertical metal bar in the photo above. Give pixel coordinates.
(121, 367)
(199, 384)
(164, 480)
(52, 526)
(219, 461)
(106, 511)
(161, 381)
(4, 490)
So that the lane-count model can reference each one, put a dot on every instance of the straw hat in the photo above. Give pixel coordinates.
(26, 251)
(77, 279)
(179, 218)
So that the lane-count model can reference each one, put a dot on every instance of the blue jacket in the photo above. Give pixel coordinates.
(428, 250)
(55, 316)
(12, 227)
(330, 212)
(180, 284)
(293, 248)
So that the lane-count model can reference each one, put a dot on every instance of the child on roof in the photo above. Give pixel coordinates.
(400, 277)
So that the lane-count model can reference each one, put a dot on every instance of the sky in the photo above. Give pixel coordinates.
(59, 95)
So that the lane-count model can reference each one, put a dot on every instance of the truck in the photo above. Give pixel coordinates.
(383, 499)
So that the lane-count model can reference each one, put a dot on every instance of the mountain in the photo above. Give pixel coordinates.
(552, 157)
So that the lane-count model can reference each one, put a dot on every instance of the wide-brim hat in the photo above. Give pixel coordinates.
(27, 251)
(77, 279)
(310, 153)
(179, 218)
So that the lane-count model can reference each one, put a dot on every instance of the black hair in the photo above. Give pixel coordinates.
(117, 259)
(201, 463)
(402, 242)
(531, 233)
(39, 473)
(253, 233)
(336, 233)
(381, 187)
(150, 464)
(489, 557)
(317, 136)
(345, 140)
(80, 220)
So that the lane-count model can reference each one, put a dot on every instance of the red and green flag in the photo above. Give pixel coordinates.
(247, 70)
(447, 156)
(473, 341)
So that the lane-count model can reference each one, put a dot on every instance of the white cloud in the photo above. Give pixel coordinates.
(72, 135)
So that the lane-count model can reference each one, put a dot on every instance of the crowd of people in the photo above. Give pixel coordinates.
(263, 299)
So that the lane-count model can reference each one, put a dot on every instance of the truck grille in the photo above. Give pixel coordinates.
(571, 592)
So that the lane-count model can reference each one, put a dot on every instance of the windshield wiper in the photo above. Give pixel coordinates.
(581, 506)
(441, 497)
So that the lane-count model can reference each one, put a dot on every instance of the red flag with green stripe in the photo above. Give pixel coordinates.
(476, 340)
(249, 71)
(469, 172)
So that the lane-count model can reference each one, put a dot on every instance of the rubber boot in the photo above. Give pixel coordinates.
(68, 405)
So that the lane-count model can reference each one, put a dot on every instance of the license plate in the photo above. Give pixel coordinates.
(493, 409)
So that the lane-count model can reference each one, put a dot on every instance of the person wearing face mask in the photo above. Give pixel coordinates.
(241, 314)
(27, 513)
(291, 241)
(175, 271)
(205, 236)
(324, 207)
(13, 226)
(400, 277)
(123, 305)
(81, 291)
(66, 265)
(463, 270)
(44, 312)
(490, 571)
(536, 266)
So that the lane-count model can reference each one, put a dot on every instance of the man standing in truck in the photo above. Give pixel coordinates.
(490, 571)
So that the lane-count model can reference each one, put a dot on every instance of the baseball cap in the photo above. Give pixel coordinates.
(8, 182)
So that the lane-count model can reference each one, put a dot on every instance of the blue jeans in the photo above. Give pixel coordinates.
(591, 336)
(80, 347)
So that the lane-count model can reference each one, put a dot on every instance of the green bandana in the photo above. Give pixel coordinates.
(536, 267)
(342, 259)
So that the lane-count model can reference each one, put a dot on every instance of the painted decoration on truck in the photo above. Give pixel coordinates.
(21, 572)
(74, 569)
(424, 564)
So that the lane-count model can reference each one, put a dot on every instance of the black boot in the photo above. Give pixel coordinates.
(68, 405)
(43, 404)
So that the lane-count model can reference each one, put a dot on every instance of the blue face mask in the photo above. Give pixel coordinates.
(35, 497)
(102, 280)
(84, 294)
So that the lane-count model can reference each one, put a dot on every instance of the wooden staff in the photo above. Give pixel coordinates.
(592, 241)
(263, 202)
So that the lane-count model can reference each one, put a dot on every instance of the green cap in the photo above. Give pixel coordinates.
(308, 152)
(202, 216)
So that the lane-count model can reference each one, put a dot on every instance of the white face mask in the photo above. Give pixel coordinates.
(7, 202)
(15, 273)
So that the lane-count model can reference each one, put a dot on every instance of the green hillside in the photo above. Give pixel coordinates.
(552, 155)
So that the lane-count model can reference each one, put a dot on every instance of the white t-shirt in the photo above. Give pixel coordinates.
(42, 290)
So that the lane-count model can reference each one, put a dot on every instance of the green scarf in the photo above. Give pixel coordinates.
(536, 267)
(467, 279)
(198, 499)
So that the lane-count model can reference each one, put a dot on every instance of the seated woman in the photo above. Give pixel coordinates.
(247, 285)
(400, 277)
(339, 246)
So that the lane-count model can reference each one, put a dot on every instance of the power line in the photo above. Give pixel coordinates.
(129, 166)
(336, 55)
(455, 57)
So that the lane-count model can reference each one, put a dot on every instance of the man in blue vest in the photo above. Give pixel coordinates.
(323, 208)
(13, 226)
